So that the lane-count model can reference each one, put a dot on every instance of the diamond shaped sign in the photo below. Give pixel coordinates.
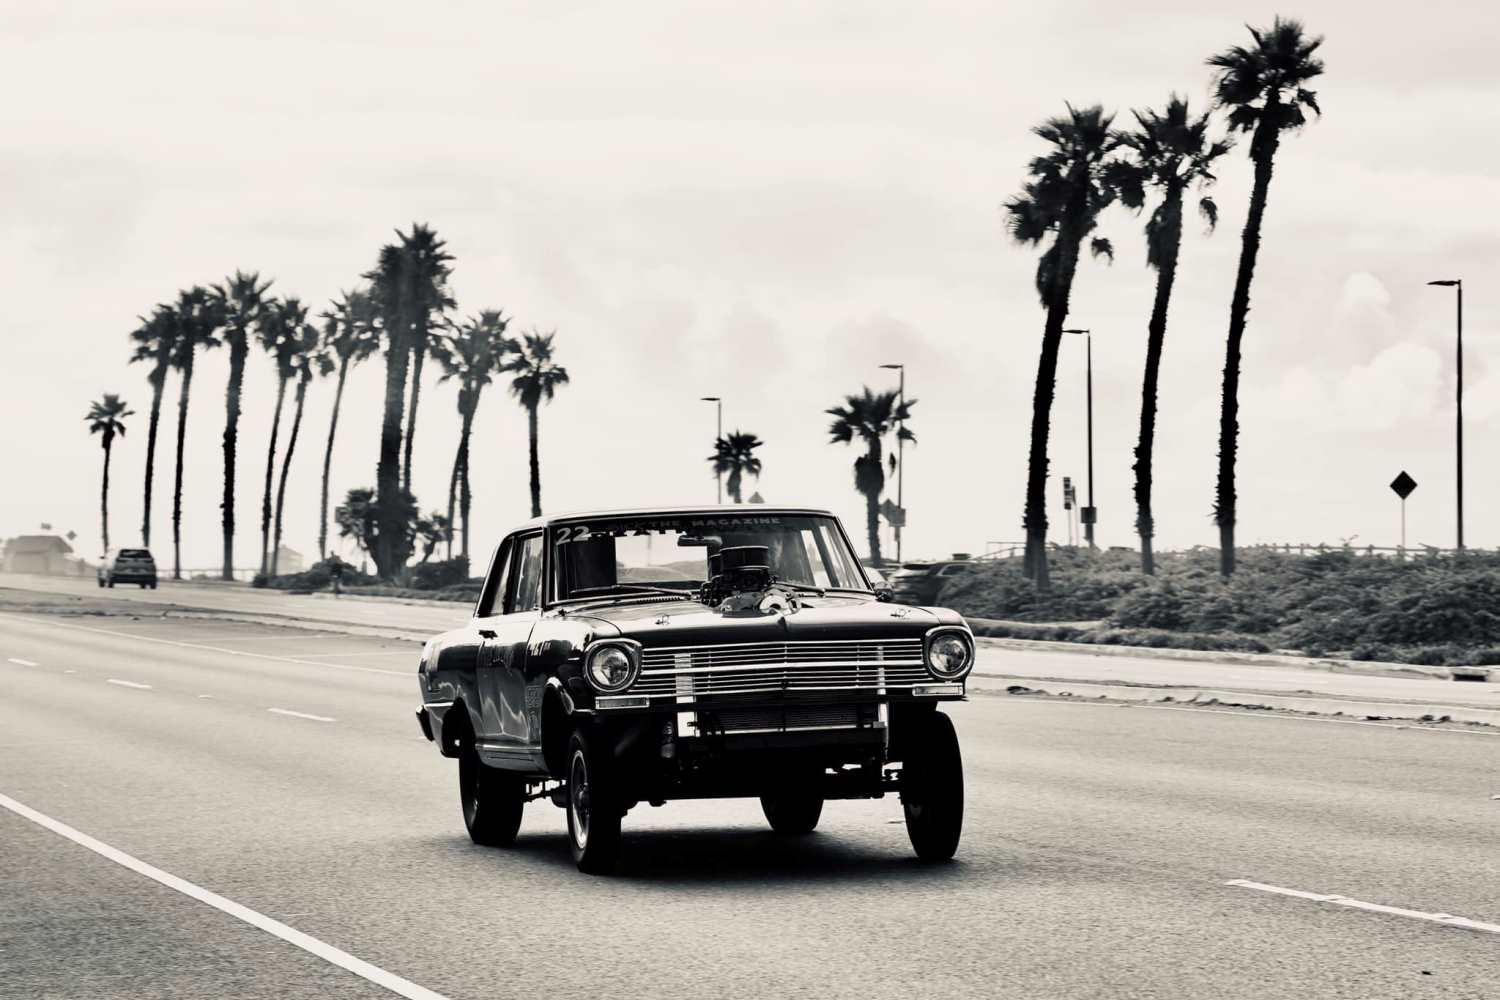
(1403, 485)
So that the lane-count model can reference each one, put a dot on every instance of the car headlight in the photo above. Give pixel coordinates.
(950, 654)
(611, 667)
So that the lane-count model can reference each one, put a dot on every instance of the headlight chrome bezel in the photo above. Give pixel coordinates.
(963, 635)
(632, 651)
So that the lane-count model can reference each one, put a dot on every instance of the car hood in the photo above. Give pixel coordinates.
(690, 623)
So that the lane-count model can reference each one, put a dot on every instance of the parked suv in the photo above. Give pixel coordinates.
(920, 583)
(128, 566)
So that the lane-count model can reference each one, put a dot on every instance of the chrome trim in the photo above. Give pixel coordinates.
(968, 637)
(687, 673)
(632, 652)
(437, 704)
(937, 690)
(622, 701)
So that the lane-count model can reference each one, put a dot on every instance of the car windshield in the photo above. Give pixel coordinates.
(653, 552)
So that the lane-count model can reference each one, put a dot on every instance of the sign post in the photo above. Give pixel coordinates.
(1402, 486)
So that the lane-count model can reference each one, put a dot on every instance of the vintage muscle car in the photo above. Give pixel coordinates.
(623, 657)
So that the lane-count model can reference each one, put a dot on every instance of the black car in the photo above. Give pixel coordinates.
(127, 566)
(616, 658)
(921, 583)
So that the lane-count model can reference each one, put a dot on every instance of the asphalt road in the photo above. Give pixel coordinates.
(1098, 844)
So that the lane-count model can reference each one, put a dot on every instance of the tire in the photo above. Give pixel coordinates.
(593, 807)
(792, 814)
(101, 582)
(932, 790)
(110, 585)
(492, 800)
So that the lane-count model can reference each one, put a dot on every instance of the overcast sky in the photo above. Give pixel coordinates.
(763, 202)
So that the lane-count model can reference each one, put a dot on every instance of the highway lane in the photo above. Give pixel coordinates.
(1096, 849)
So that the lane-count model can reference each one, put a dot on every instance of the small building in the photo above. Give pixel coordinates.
(38, 554)
(289, 561)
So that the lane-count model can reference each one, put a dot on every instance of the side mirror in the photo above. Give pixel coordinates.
(885, 595)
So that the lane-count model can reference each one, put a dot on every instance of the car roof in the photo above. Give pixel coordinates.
(707, 510)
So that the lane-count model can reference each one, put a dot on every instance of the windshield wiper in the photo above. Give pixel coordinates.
(630, 588)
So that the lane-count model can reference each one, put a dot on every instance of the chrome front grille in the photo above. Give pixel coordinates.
(809, 665)
(766, 720)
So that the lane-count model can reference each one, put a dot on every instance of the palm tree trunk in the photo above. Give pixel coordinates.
(734, 483)
(238, 349)
(333, 426)
(104, 493)
(872, 505)
(464, 499)
(536, 467)
(390, 554)
(1156, 333)
(458, 460)
(286, 462)
(418, 353)
(183, 392)
(1263, 150)
(265, 503)
(158, 383)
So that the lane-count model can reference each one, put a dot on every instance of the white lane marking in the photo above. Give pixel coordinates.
(20, 662)
(381, 652)
(300, 715)
(128, 684)
(1446, 919)
(292, 936)
(213, 649)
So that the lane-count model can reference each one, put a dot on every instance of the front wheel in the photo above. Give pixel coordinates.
(593, 807)
(932, 789)
(792, 814)
(492, 801)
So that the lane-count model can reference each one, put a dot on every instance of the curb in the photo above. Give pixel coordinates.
(1360, 709)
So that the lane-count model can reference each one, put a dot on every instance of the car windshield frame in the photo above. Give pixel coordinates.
(552, 596)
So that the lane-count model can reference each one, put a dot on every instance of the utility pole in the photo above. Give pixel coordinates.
(1089, 514)
(1458, 285)
(718, 436)
(900, 456)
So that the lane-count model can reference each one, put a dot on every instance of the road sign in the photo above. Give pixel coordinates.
(1068, 494)
(1088, 515)
(1403, 485)
(894, 516)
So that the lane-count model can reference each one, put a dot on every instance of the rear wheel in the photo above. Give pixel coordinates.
(110, 584)
(594, 811)
(932, 789)
(492, 800)
(792, 813)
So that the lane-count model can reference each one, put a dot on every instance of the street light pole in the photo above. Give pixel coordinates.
(1458, 285)
(900, 456)
(1090, 513)
(718, 436)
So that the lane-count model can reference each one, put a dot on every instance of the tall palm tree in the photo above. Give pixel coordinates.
(537, 379)
(870, 417)
(153, 341)
(350, 334)
(472, 354)
(734, 453)
(1062, 199)
(308, 359)
(1170, 154)
(279, 334)
(241, 301)
(1263, 87)
(106, 417)
(409, 287)
(197, 318)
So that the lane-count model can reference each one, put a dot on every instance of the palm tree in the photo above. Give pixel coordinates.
(351, 335)
(106, 417)
(153, 341)
(279, 333)
(409, 286)
(471, 354)
(870, 417)
(1067, 190)
(735, 454)
(433, 530)
(197, 318)
(536, 381)
(1171, 153)
(241, 302)
(307, 360)
(1263, 88)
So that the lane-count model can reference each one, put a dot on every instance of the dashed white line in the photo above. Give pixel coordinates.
(1446, 919)
(20, 662)
(128, 684)
(311, 945)
(300, 715)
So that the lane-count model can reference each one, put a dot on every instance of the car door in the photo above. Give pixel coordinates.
(502, 658)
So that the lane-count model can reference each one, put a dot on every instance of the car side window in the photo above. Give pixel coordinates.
(526, 593)
(494, 587)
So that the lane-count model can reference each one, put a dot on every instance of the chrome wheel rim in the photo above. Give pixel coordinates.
(578, 799)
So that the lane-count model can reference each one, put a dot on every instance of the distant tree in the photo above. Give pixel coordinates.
(537, 379)
(350, 335)
(106, 417)
(432, 531)
(280, 336)
(198, 318)
(308, 360)
(870, 417)
(154, 342)
(360, 518)
(735, 454)
(241, 302)
(1062, 199)
(475, 350)
(1264, 89)
(1170, 153)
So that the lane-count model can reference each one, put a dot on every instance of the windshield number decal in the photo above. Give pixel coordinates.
(580, 534)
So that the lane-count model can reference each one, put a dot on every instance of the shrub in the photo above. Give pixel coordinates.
(437, 575)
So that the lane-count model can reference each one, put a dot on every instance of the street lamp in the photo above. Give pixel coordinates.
(1457, 283)
(900, 457)
(718, 436)
(1090, 513)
